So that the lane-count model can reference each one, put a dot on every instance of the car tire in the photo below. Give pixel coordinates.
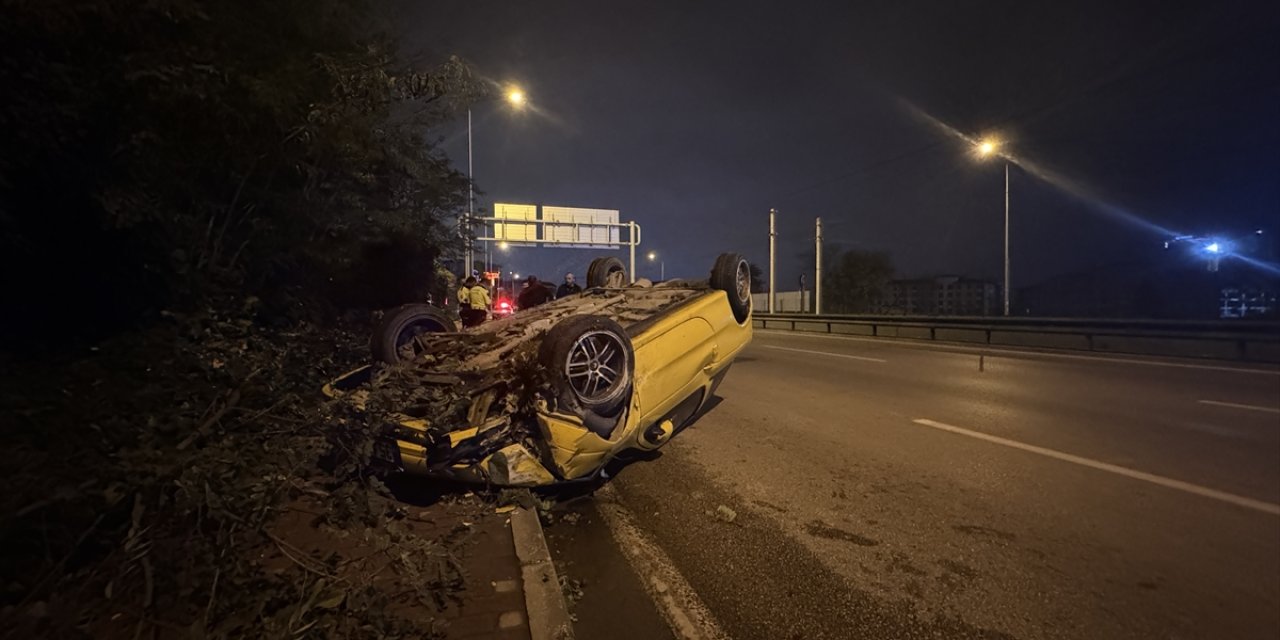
(401, 325)
(601, 268)
(584, 352)
(732, 275)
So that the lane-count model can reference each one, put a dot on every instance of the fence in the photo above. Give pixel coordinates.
(1244, 341)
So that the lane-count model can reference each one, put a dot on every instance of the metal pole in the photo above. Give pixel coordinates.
(466, 229)
(631, 240)
(773, 240)
(1006, 238)
(662, 264)
(817, 280)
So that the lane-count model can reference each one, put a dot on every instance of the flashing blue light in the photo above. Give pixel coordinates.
(1213, 248)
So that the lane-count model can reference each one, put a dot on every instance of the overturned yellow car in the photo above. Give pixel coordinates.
(555, 393)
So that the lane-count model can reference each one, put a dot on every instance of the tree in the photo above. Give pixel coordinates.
(856, 281)
(151, 153)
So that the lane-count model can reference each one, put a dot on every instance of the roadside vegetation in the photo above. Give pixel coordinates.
(201, 204)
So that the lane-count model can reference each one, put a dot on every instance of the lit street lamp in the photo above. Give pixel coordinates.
(986, 149)
(516, 98)
(662, 265)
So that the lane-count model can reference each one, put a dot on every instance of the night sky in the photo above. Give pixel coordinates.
(694, 118)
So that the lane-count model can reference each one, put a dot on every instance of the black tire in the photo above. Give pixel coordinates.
(732, 275)
(600, 270)
(401, 325)
(581, 352)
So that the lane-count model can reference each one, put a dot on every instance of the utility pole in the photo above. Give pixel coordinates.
(1006, 237)
(631, 226)
(467, 262)
(817, 280)
(773, 241)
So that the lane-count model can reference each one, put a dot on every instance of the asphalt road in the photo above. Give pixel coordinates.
(861, 489)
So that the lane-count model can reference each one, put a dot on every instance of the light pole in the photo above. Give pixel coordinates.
(773, 241)
(988, 148)
(662, 265)
(516, 98)
(817, 275)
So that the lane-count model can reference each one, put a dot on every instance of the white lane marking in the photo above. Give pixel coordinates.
(825, 353)
(1233, 405)
(685, 613)
(979, 350)
(1248, 503)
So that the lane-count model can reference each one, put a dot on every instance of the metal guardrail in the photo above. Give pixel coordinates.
(1225, 340)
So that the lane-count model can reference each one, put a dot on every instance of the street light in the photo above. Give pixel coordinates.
(516, 98)
(662, 264)
(987, 148)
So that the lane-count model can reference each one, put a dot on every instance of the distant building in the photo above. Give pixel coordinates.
(943, 296)
(1248, 302)
(1186, 290)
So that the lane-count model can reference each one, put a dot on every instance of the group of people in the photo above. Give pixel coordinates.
(475, 302)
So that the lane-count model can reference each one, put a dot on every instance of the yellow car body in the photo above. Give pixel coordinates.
(680, 356)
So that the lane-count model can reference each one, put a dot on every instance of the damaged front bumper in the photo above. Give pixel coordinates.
(491, 453)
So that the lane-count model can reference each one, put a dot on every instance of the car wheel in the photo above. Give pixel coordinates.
(601, 269)
(393, 336)
(591, 364)
(732, 275)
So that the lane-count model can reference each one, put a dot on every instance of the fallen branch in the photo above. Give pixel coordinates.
(284, 549)
(207, 425)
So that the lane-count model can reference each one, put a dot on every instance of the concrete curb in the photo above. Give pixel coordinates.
(543, 599)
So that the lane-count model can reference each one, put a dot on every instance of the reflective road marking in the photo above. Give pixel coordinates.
(826, 353)
(1240, 406)
(1248, 503)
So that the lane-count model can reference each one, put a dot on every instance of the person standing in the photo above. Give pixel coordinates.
(475, 309)
(534, 294)
(464, 294)
(568, 288)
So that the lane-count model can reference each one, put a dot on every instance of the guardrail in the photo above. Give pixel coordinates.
(1224, 340)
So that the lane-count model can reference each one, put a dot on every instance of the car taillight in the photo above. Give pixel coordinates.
(505, 305)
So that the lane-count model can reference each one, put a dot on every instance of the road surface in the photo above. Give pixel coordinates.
(851, 488)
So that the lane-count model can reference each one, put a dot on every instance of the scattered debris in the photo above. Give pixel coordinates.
(572, 588)
(726, 514)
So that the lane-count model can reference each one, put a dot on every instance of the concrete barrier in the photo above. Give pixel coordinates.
(820, 327)
(853, 328)
(1260, 351)
(899, 331)
(950, 334)
(1041, 339)
(1164, 346)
